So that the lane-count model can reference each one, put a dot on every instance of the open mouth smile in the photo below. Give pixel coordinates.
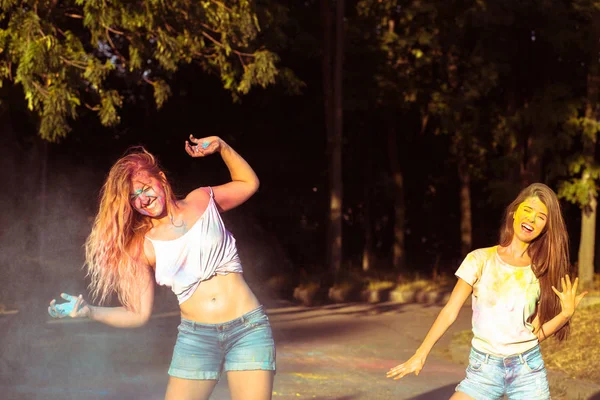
(527, 227)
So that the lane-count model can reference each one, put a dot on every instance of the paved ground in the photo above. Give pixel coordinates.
(336, 352)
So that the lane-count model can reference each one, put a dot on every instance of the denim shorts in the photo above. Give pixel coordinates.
(202, 351)
(520, 376)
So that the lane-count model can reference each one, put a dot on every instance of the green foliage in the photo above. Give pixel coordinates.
(73, 53)
(109, 102)
(578, 191)
(433, 65)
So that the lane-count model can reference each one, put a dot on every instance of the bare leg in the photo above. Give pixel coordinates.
(460, 396)
(189, 389)
(250, 385)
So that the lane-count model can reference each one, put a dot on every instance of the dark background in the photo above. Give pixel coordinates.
(50, 190)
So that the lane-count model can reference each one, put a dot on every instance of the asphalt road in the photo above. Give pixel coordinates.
(334, 352)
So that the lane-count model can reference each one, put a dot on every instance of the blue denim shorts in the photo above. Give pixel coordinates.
(202, 351)
(520, 376)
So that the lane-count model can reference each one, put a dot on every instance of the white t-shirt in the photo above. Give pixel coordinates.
(504, 297)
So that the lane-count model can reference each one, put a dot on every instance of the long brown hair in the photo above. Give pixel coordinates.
(549, 252)
(115, 247)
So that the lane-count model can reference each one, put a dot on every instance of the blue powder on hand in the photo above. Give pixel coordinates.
(66, 308)
(205, 144)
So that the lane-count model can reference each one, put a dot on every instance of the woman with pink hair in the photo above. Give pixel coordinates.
(142, 233)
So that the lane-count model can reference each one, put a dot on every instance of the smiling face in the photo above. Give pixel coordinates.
(529, 220)
(147, 195)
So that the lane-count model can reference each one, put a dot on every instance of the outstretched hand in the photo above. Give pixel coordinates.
(569, 300)
(202, 147)
(414, 364)
(75, 307)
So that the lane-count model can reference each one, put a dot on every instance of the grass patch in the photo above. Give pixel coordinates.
(578, 356)
(440, 283)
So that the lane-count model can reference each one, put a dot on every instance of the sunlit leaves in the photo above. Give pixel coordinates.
(95, 72)
(261, 72)
(161, 92)
(69, 57)
(579, 191)
(110, 101)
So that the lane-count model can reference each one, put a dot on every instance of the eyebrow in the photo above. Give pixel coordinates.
(539, 212)
(139, 191)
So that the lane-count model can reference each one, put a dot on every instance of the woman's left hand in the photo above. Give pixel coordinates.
(569, 300)
(203, 147)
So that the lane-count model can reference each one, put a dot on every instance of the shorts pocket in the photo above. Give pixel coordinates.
(534, 362)
(185, 328)
(262, 320)
(475, 364)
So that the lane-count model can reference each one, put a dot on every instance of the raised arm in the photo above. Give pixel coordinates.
(444, 320)
(244, 182)
(569, 300)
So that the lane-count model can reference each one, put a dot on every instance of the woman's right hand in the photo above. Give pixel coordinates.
(75, 307)
(414, 364)
(204, 146)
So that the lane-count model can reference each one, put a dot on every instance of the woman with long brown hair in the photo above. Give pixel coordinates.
(142, 233)
(515, 300)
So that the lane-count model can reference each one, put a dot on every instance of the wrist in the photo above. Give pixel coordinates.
(90, 313)
(421, 353)
(566, 315)
(223, 146)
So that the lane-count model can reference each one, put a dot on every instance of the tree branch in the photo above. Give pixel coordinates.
(112, 45)
(113, 30)
(148, 80)
(221, 4)
(75, 64)
(241, 60)
(40, 89)
(215, 41)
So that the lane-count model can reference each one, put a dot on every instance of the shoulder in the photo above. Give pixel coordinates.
(200, 194)
(472, 266)
(149, 254)
(483, 254)
(197, 199)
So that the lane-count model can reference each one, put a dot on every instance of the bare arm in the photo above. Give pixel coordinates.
(244, 182)
(550, 327)
(569, 300)
(120, 317)
(444, 320)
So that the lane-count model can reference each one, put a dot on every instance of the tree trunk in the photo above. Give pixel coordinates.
(466, 229)
(587, 242)
(398, 254)
(335, 142)
(368, 251)
(531, 163)
(588, 213)
(327, 49)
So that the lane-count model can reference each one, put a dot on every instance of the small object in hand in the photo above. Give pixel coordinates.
(205, 144)
(66, 308)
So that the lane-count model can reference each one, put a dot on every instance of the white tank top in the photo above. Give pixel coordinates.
(200, 253)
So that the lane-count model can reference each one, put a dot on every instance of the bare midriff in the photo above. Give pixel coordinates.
(219, 299)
